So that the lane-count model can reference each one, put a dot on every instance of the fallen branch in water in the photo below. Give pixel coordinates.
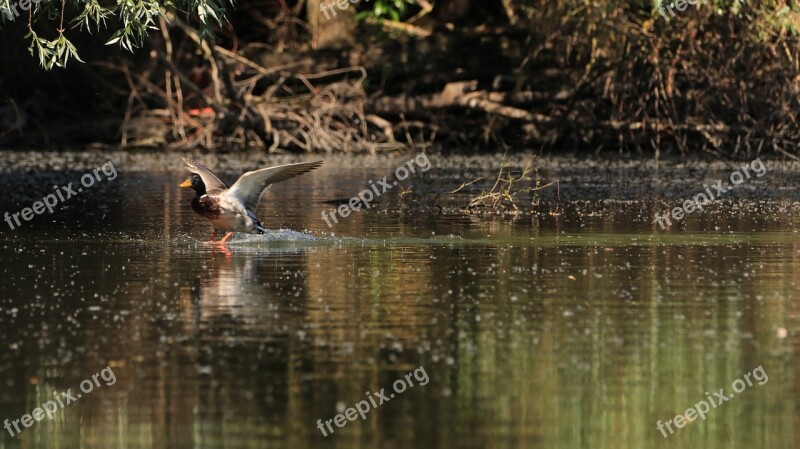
(506, 190)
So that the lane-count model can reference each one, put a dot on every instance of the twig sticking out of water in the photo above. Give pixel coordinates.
(506, 190)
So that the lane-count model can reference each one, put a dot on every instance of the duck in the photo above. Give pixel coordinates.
(232, 209)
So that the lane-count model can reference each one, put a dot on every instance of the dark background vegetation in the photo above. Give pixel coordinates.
(389, 75)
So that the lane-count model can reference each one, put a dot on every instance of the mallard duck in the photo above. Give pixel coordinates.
(233, 209)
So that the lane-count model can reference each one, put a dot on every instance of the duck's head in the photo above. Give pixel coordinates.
(194, 181)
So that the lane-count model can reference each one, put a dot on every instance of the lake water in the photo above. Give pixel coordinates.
(582, 325)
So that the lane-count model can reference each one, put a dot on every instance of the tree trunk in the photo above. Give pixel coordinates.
(332, 23)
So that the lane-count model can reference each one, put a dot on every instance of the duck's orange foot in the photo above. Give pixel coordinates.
(221, 242)
(223, 249)
(213, 237)
(224, 240)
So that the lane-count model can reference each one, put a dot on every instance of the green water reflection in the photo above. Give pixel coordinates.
(559, 333)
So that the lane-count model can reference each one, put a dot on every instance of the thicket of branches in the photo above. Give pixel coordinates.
(719, 77)
(560, 74)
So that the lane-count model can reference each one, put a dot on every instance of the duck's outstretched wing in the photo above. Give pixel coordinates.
(251, 185)
(213, 184)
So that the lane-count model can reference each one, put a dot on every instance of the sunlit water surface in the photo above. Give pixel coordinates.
(580, 327)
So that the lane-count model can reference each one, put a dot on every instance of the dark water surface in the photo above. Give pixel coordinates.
(576, 330)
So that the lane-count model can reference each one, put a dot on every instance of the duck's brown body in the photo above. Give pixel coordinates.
(206, 206)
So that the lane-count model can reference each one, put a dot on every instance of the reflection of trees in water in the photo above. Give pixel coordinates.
(546, 340)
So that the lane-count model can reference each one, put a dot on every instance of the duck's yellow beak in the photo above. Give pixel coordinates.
(186, 184)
